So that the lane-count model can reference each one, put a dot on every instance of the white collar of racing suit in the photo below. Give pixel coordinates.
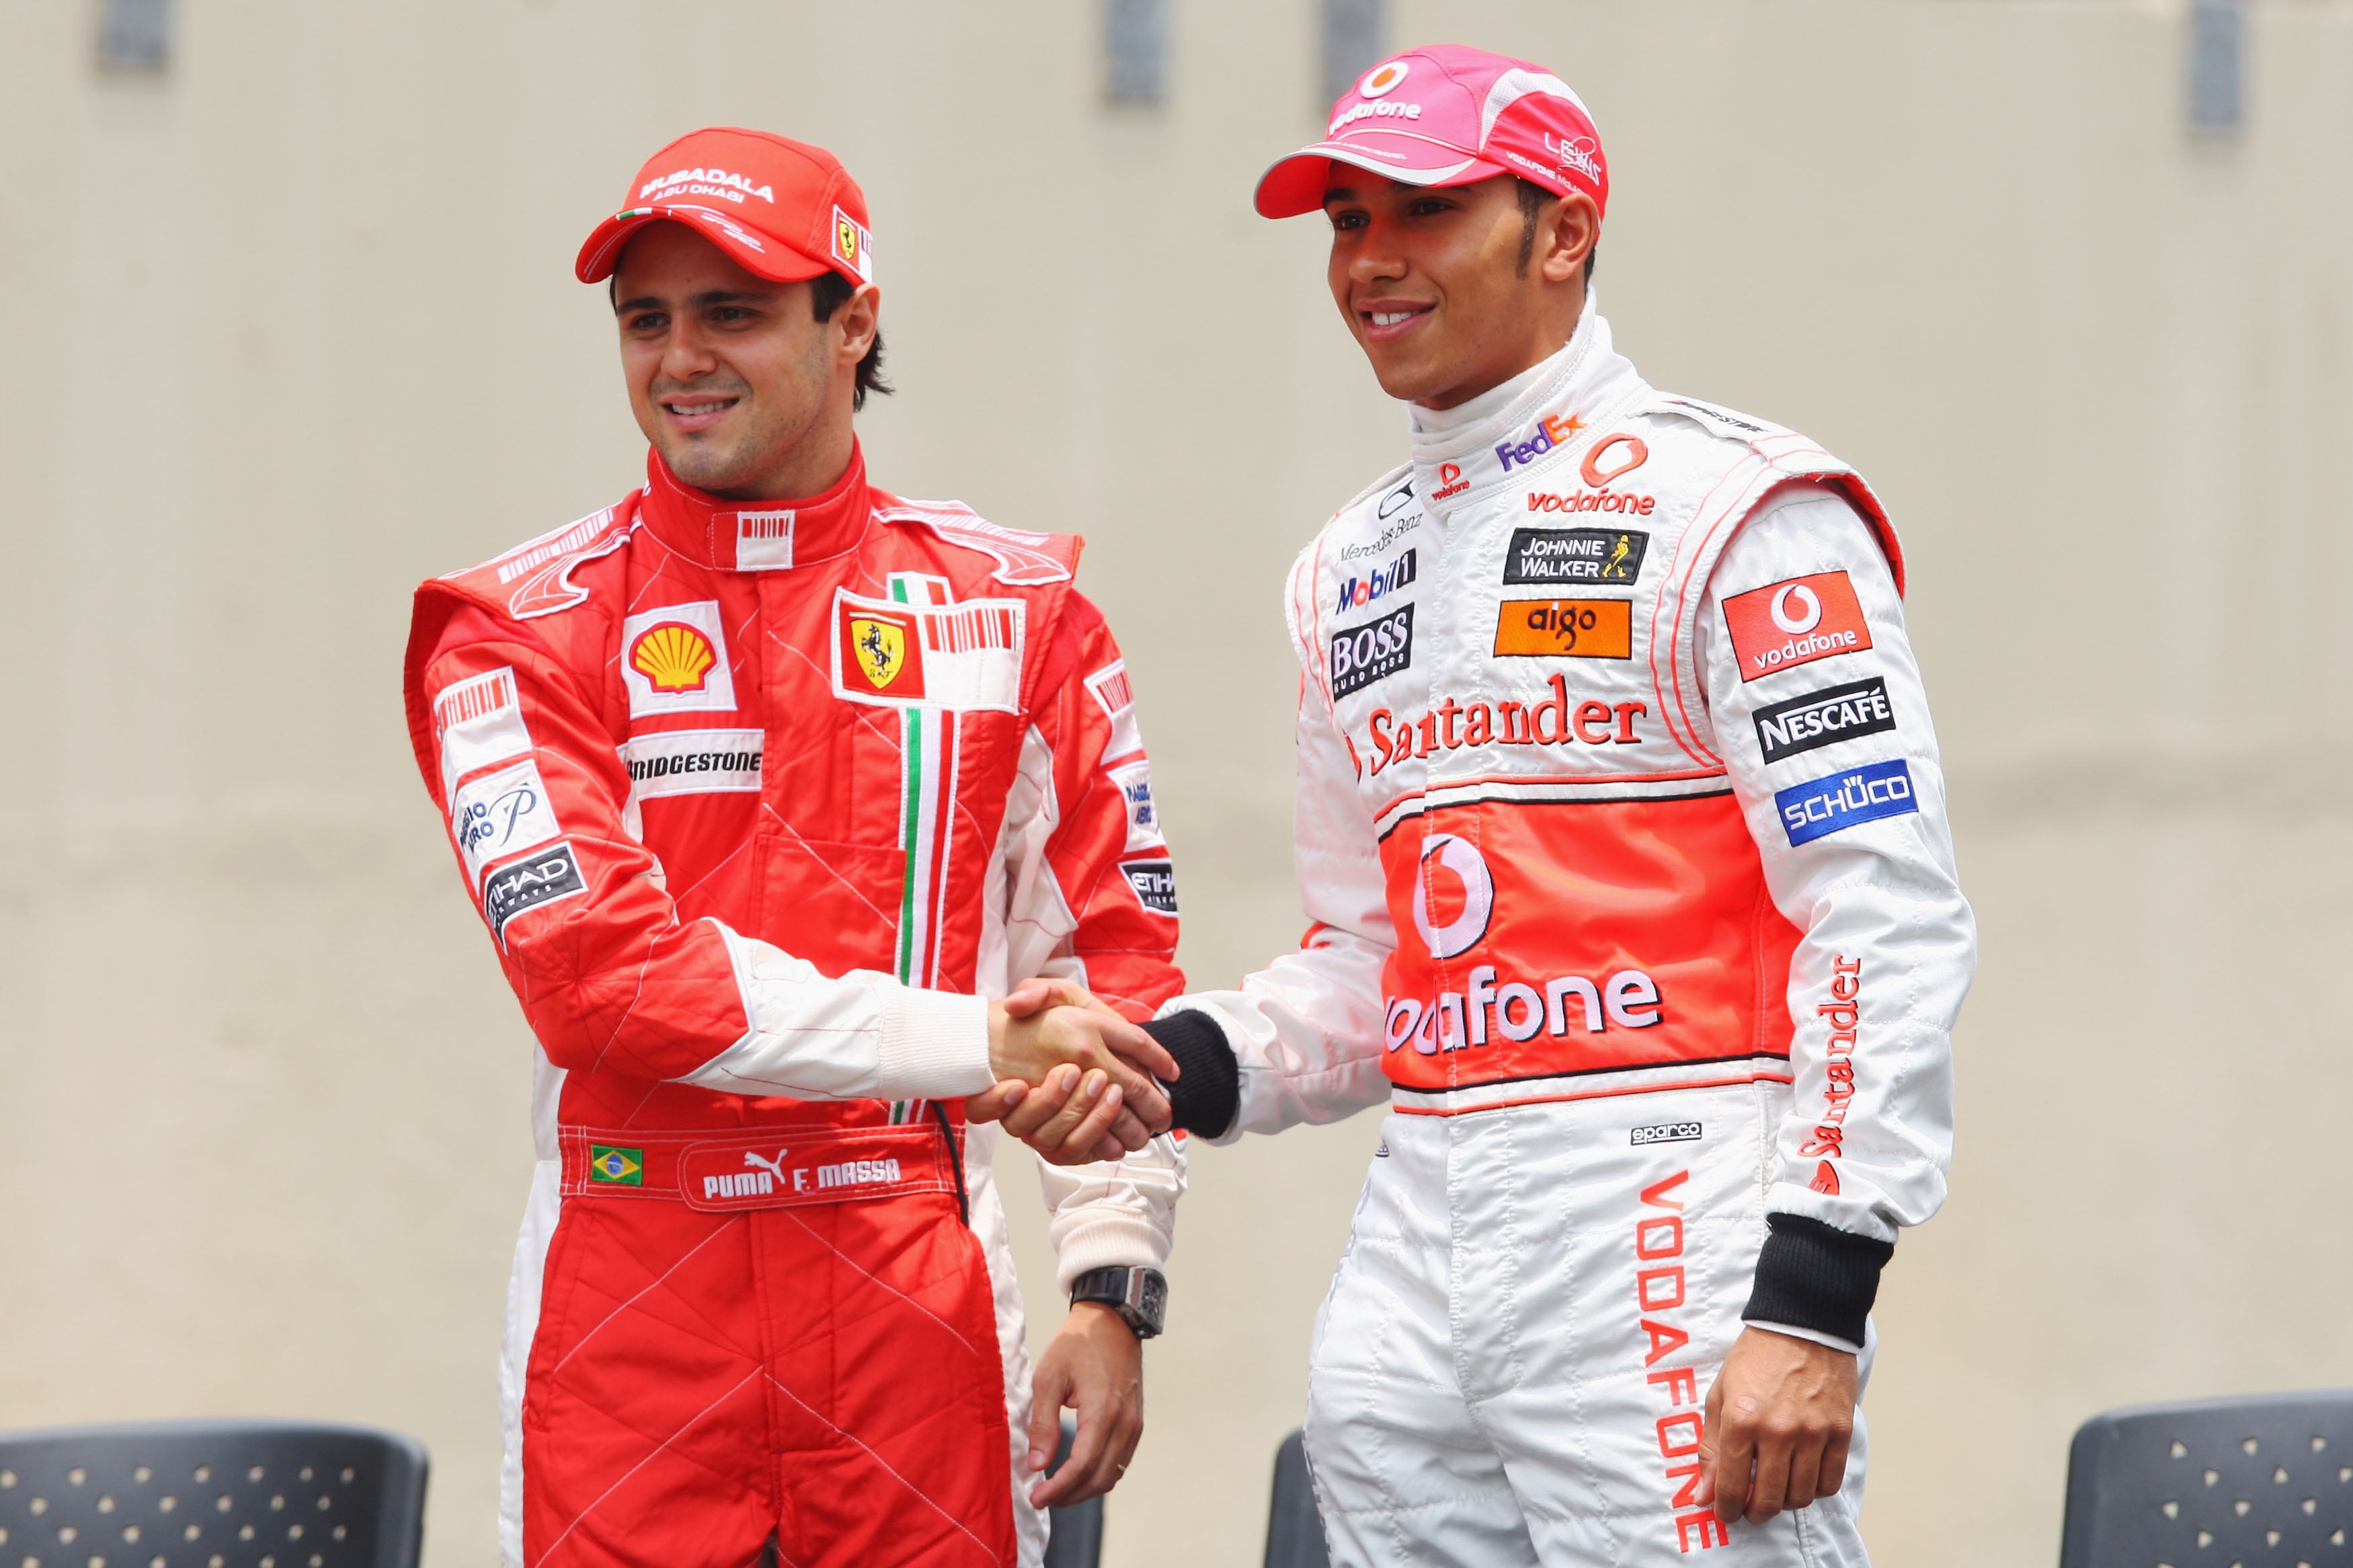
(1586, 375)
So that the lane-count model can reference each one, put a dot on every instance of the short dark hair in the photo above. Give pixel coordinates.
(829, 292)
(1533, 197)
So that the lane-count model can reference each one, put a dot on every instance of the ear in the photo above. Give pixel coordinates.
(858, 318)
(1569, 238)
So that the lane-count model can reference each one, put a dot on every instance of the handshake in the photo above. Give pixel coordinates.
(1076, 1082)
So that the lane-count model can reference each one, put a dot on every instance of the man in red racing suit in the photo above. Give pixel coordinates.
(759, 801)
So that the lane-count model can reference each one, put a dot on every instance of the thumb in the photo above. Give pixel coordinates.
(1707, 1441)
(1040, 993)
(991, 1103)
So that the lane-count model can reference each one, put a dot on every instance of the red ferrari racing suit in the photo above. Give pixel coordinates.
(758, 804)
(1620, 823)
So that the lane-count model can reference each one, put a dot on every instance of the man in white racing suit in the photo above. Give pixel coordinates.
(1620, 823)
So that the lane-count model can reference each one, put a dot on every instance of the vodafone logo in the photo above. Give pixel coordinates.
(1382, 79)
(1797, 621)
(1450, 481)
(1601, 467)
(1797, 608)
(1463, 860)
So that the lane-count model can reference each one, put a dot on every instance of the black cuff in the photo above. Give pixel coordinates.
(1814, 1276)
(1209, 1095)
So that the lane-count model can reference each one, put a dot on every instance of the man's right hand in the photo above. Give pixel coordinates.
(1093, 1039)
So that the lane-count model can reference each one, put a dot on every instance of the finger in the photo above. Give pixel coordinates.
(1047, 1391)
(1140, 1050)
(1735, 1459)
(1056, 1134)
(1128, 1132)
(1042, 1104)
(1834, 1463)
(1035, 996)
(1768, 1492)
(1081, 1474)
(1100, 1122)
(1805, 1469)
(1111, 1151)
(991, 1103)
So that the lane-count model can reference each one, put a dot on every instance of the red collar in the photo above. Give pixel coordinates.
(757, 536)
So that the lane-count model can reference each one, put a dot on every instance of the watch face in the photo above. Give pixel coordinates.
(1153, 1300)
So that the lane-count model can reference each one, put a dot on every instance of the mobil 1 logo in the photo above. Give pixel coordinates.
(1576, 555)
(1823, 717)
(1374, 651)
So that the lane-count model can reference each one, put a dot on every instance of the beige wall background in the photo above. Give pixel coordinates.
(293, 326)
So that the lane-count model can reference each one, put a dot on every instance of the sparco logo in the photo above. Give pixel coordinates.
(1358, 592)
(1575, 555)
(1820, 718)
(1666, 1132)
(1362, 655)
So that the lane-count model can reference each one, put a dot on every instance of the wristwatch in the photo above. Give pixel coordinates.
(1140, 1296)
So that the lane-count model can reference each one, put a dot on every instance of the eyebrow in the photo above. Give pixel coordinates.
(707, 298)
(1339, 194)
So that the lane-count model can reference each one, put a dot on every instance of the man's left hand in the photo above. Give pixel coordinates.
(1779, 1419)
(1095, 1365)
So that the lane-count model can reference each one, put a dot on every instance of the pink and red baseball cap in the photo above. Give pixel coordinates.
(784, 209)
(1449, 115)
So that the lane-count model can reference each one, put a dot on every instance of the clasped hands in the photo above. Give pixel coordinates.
(1076, 1081)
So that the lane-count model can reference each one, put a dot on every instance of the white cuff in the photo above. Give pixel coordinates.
(1108, 1237)
(934, 1046)
(1816, 1335)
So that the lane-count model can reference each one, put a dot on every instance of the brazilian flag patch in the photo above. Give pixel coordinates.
(612, 1167)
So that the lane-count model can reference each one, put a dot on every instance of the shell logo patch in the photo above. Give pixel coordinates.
(672, 657)
(611, 1167)
(880, 647)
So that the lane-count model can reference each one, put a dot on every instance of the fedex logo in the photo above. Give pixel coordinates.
(1358, 592)
(1550, 432)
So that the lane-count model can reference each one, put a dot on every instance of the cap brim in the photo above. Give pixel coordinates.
(754, 253)
(1295, 185)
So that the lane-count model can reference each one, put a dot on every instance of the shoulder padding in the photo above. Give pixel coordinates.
(1023, 559)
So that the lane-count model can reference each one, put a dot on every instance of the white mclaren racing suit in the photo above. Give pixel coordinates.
(1621, 824)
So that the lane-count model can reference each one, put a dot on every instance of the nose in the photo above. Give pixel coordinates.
(684, 354)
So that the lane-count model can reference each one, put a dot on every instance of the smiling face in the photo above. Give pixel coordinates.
(1453, 289)
(738, 386)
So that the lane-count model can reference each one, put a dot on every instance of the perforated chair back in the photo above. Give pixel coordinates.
(211, 1494)
(1074, 1538)
(2258, 1482)
(1294, 1530)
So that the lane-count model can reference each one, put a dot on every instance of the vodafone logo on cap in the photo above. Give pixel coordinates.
(1462, 859)
(1382, 79)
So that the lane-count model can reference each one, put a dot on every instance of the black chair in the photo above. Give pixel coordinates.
(1076, 1538)
(1294, 1530)
(2264, 1481)
(211, 1494)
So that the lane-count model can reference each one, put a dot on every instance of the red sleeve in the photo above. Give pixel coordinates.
(1105, 854)
(531, 787)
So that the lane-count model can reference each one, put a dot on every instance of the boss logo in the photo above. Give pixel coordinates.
(1362, 655)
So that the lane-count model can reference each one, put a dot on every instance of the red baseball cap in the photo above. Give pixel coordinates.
(1449, 115)
(782, 208)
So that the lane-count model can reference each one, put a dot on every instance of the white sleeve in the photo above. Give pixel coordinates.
(1306, 1031)
(860, 1036)
(1834, 763)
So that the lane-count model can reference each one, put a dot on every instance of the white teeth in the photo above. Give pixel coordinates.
(1391, 317)
(689, 410)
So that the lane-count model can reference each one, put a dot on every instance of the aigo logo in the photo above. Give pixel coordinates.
(1383, 79)
(1459, 931)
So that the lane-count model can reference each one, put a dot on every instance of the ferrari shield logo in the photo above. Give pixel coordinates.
(882, 649)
